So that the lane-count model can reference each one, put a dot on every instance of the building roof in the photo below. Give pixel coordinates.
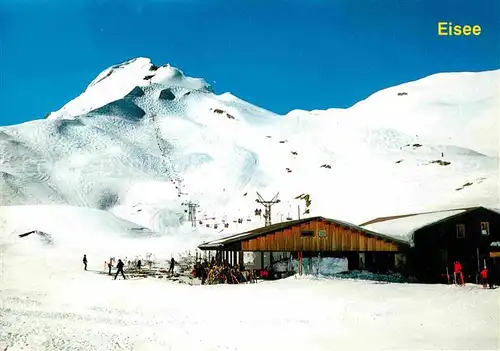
(383, 219)
(497, 210)
(403, 227)
(251, 234)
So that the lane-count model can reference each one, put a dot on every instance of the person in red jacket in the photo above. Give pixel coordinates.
(457, 273)
(264, 274)
(484, 277)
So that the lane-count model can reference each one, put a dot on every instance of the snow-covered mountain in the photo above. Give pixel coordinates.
(142, 141)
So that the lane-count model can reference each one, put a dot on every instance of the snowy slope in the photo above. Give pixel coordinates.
(459, 109)
(141, 141)
(89, 311)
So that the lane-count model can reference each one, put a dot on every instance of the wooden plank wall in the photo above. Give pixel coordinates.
(337, 239)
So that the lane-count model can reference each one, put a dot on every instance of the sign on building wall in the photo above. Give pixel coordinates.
(322, 233)
(248, 258)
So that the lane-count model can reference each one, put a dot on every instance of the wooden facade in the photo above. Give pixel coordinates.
(312, 237)
(471, 237)
(318, 235)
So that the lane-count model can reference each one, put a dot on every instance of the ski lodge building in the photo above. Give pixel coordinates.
(310, 237)
(424, 245)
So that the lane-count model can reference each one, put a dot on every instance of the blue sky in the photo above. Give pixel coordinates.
(278, 54)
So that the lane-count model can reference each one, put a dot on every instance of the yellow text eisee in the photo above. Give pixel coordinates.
(449, 29)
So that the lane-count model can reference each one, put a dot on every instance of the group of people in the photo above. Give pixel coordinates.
(218, 272)
(215, 272)
(120, 265)
(222, 272)
(486, 275)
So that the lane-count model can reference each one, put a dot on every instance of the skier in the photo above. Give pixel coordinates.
(85, 261)
(172, 265)
(119, 270)
(484, 277)
(139, 264)
(457, 271)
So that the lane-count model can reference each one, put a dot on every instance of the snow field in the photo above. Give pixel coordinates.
(317, 313)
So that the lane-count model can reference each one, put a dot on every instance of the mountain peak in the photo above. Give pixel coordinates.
(117, 81)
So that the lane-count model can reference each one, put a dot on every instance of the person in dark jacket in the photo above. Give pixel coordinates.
(204, 275)
(139, 263)
(119, 270)
(172, 265)
(85, 261)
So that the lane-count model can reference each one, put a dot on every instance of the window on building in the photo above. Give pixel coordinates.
(307, 233)
(485, 228)
(460, 231)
